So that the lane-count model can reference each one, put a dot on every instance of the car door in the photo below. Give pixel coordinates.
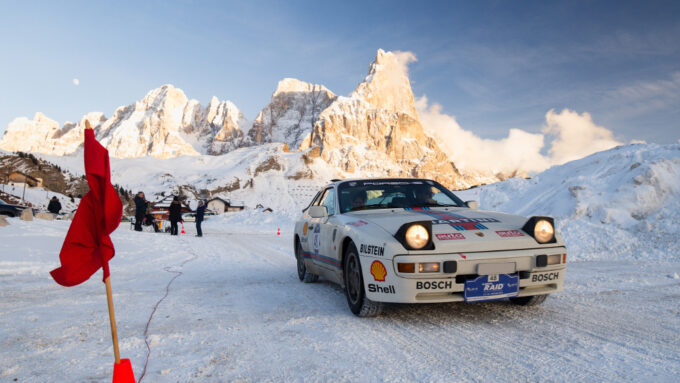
(322, 237)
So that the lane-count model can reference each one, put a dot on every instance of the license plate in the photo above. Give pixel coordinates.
(490, 287)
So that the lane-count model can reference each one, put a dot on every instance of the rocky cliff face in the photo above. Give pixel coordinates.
(375, 131)
(291, 114)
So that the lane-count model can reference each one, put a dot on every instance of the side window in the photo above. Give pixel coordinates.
(319, 200)
(329, 201)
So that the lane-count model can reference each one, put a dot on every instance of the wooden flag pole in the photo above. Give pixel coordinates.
(112, 317)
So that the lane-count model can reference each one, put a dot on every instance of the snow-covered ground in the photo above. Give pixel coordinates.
(40, 197)
(235, 310)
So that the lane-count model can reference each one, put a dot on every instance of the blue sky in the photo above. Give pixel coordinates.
(494, 65)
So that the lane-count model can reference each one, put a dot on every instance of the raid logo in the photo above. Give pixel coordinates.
(509, 233)
(449, 236)
(545, 277)
(378, 271)
(372, 250)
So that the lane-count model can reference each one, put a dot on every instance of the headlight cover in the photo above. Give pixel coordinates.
(416, 235)
(541, 228)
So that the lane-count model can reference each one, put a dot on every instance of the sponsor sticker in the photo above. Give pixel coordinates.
(378, 271)
(304, 228)
(545, 277)
(434, 285)
(358, 223)
(317, 239)
(372, 250)
(510, 233)
(389, 289)
(449, 236)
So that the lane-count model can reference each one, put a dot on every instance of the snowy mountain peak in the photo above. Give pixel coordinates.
(387, 85)
(289, 117)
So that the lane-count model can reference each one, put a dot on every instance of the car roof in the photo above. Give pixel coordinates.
(338, 182)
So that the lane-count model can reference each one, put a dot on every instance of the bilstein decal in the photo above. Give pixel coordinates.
(372, 250)
(378, 271)
(449, 236)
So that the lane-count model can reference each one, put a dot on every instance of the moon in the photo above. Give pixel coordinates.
(76, 82)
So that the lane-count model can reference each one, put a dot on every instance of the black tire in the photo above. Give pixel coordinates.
(303, 274)
(533, 300)
(354, 286)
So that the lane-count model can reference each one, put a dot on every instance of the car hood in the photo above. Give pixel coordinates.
(459, 229)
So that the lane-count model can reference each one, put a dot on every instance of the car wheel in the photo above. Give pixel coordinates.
(533, 300)
(303, 274)
(354, 286)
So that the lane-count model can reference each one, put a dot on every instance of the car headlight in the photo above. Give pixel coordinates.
(417, 236)
(541, 228)
(543, 231)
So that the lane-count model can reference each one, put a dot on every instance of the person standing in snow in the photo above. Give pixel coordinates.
(200, 211)
(140, 210)
(54, 206)
(175, 215)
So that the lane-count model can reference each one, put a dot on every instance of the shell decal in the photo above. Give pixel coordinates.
(378, 271)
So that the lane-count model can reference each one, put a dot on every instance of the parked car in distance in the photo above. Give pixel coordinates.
(11, 210)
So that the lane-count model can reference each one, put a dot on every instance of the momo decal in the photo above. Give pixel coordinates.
(510, 233)
(378, 271)
(449, 236)
(372, 250)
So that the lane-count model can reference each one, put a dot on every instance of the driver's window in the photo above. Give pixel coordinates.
(329, 201)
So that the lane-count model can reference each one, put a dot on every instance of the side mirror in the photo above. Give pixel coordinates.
(318, 212)
(472, 204)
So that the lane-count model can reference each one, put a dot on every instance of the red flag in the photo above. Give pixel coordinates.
(87, 246)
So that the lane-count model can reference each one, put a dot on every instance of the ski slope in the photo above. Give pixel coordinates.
(237, 312)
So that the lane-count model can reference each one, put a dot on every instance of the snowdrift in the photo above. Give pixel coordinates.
(623, 202)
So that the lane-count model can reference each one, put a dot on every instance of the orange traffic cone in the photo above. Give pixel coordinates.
(278, 231)
(183, 232)
(122, 372)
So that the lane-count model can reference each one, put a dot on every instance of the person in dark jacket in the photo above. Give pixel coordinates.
(140, 210)
(200, 211)
(175, 215)
(54, 206)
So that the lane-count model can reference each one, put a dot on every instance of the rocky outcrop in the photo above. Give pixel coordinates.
(291, 114)
(375, 131)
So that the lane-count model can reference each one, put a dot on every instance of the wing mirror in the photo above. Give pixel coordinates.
(472, 204)
(318, 212)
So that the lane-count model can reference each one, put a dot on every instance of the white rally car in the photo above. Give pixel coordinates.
(414, 241)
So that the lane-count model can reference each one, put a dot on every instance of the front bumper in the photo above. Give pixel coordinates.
(449, 287)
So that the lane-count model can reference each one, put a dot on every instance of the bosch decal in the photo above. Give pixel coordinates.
(510, 233)
(449, 236)
(372, 250)
(545, 277)
(378, 271)
(434, 285)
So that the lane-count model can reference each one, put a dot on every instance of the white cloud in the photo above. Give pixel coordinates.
(76, 82)
(574, 136)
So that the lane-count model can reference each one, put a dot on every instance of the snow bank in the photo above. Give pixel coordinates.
(252, 222)
(623, 202)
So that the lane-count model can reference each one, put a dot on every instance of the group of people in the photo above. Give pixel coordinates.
(142, 212)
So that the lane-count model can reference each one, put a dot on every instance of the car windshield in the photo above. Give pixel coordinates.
(394, 193)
